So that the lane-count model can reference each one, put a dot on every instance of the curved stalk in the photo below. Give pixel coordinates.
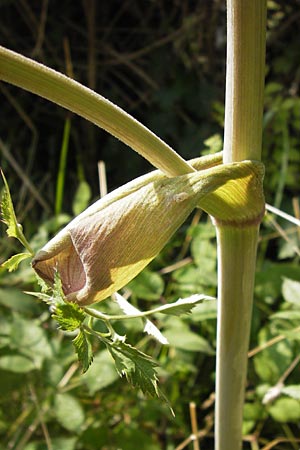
(237, 243)
(62, 90)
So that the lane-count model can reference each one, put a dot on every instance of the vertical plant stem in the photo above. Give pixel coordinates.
(237, 243)
(245, 69)
(236, 261)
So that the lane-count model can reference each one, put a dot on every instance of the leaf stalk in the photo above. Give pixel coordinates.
(68, 93)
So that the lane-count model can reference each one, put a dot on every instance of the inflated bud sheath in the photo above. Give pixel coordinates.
(108, 244)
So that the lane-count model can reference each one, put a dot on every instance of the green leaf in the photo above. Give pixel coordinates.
(252, 413)
(58, 293)
(153, 331)
(12, 263)
(29, 339)
(203, 250)
(8, 212)
(291, 291)
(271, 363)
(101, 374)
(44, 297)
(68, 412)
(147, 285)
(14, 229)
(42, 284)
(205, 311)
(138, 368)
(83, 349)
(287, 315)
(149, 327)
(17, 363)
(183, 305)
(269, 279)
(56, 444)
(181, 337)
(189, 279)
(285, 410)
(130, 437)
(214, 144)
(69, 316)
(18, 301)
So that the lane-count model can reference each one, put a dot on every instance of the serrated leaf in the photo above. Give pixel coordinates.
(42, 284)
(14, 229)
(12, 263)
(69, 316)
(153, 331)
(8, 212)
(83, 349)
(183, 305)
(136, 366)
(44, 297)
(57, 292)
(149, 328)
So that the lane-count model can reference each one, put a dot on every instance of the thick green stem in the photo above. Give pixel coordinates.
(237, 243)
(245, 70)
(39, 79)
(236, 269)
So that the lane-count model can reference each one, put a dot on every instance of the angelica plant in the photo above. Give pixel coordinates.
(107, 245)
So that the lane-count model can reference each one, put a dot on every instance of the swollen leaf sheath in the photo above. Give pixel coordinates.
(107, 245)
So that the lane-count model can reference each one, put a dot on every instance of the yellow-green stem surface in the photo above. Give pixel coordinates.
(237, 245)
(236, 269)
(245, 67)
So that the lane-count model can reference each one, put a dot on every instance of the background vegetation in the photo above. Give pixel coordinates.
(164, 62)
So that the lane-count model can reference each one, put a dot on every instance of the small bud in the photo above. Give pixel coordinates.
(108, 244)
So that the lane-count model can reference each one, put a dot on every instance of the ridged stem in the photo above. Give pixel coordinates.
(236, 269)
(245, 70)
(237, 243)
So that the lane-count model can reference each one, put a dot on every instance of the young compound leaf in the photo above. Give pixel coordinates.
(83, 349)
(69, 316)
(14, 229)
(138, 368)
(183, 305)
(12, 263)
